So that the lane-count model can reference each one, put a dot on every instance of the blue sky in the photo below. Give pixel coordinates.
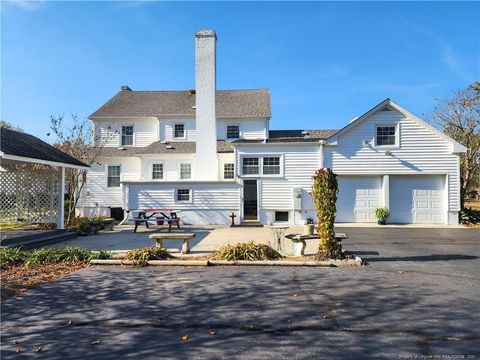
(324, 62)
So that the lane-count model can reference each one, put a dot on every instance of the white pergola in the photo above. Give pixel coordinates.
(33, 193)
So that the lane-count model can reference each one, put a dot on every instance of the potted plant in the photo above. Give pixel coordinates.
(84, 227)
(382, 215)
(308, 227)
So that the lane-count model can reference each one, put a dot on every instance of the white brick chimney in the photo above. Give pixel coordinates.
(206, 162)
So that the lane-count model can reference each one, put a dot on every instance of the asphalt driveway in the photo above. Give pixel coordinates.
(419, 296)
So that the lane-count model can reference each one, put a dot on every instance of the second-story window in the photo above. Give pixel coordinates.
(228, 171)
(185, 171)
(179, 131)
(157, 171)
(386, 136)
(233, 132)
(113, 176)
(250, 166)
(271, 166)
(127, 135)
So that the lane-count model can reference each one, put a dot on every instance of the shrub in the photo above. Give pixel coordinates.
(470, 216)
(246, 251)
(149, 253)
(382, 213)
(324, 192)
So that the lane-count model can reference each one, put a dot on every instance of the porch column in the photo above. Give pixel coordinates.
(61, 202)
(386, 191)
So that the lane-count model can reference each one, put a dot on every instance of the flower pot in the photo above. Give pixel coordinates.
(309, 229)
(95, 227)
(382, 221)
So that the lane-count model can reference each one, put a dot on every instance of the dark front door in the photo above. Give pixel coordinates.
(250, 199)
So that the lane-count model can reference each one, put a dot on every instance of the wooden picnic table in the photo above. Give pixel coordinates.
(151, 215)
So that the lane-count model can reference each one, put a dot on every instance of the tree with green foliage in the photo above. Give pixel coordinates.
(324, 192)
(459, 118)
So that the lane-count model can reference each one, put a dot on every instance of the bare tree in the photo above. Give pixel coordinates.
(459, 118)
(79, 142)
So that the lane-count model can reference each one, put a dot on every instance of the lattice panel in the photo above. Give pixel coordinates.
(30, 196)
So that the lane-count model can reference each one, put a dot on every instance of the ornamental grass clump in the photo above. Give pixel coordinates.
(141, 256)
(15, 256)
(246, 251)
(324, 193)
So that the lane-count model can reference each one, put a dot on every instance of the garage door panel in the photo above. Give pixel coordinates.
(417, 199)
(358, 198)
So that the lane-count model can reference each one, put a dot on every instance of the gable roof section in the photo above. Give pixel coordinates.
(457, 147)
(230, 104)
(17, 145)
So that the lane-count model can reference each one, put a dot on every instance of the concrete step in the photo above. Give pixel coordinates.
(39, 239)
(250, 223)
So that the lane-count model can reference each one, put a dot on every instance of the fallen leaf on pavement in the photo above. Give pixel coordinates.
(325, 316)
(17, 350)
(14, 342)
(70, 322)
(38, 349)
(185, 338)
(95, 342)
(211, 332)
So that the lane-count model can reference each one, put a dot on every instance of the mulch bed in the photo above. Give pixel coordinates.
(17, 279)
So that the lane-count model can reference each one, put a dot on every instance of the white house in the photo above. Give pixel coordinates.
(211, 152)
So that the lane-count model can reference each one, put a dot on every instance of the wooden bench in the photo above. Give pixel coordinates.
(186, 237)
(300, 243)
(138, 221)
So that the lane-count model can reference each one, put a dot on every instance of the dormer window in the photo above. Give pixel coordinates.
(179, 131)
(386, 136)
(127, 135)
(233, 132)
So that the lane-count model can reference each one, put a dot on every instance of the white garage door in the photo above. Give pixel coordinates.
(358, 197)
(417, 199)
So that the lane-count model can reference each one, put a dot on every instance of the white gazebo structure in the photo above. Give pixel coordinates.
(32, 179)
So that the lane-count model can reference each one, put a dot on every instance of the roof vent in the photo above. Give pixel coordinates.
(192, 91)
(125, 88)
(386, 108)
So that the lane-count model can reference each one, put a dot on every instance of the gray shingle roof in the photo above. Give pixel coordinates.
(281, 136)
(157, 147)
(17, 143)
(230, 103)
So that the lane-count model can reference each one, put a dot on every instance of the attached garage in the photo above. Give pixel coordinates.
(417, 199)
(358, 197)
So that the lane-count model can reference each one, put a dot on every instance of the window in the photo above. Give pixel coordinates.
(157, 171)
(271, 166)
(386, 135)
(185, 171)
(281, 216)
(179, 131)
(183, 195)
(233, 131)
(127, 135)
(113, 176)
(228, 171)
(250, 166)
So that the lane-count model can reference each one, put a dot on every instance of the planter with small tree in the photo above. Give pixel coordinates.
(382, 215)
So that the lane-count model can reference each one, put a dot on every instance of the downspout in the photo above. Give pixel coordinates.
(322, 144)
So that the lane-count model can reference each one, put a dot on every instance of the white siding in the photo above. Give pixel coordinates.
(96, 190)
(249, 128)
(421, 152)
(145, 131)
(167, 129)
(300, 163)
(211, 203)
(171, 167)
